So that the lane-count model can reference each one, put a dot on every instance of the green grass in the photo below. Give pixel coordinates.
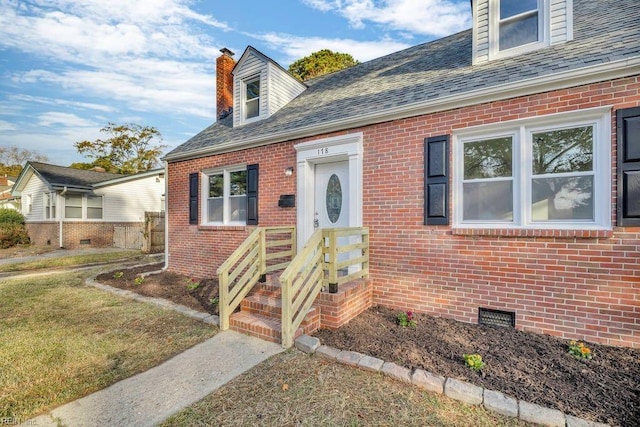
(62, 340)
(70, 261)
(295, 389)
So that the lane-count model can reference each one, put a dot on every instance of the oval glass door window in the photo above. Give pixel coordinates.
(334, 198)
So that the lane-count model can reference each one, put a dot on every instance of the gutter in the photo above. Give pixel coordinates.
(59, 213)
(561, 80)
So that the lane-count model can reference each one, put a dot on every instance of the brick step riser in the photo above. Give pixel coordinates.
(260, 331)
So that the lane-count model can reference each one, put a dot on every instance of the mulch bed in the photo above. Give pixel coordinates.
(532, 367)
(175, 287)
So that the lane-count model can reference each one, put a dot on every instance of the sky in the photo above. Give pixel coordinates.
(70, 67)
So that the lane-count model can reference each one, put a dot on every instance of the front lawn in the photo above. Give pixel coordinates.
(62, 340)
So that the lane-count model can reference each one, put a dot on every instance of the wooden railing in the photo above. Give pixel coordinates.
(265, 250)
(321, 264)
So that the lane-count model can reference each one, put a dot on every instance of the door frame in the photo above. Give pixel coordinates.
(327, 150)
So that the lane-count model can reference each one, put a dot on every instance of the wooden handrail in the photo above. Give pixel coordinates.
(316, 266)
(306, 271)
(239, 273)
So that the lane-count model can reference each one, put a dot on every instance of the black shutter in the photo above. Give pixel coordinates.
(252, 195)
(628, 135)
(193, 198)
(436, 180)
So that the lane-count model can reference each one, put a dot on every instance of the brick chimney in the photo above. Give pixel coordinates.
(224, 83)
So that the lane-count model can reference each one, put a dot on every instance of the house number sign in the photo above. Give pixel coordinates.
(323, 151)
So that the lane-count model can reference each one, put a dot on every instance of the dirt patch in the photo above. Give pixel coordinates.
(532, 367)
(198, 294)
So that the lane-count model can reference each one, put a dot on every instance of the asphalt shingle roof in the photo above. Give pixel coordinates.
(604, 31)
(63, 176)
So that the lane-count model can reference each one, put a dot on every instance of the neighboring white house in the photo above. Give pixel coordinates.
(7, 201)
(86, 208)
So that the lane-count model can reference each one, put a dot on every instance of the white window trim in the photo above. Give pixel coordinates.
(47, 197)
(84, 218)
(494, 31)
(226, 190)
(243, 105)
(600, 118)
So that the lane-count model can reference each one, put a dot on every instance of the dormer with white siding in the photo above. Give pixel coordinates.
(260, 87)
(503, 28)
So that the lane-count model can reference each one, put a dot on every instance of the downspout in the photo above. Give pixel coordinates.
(59, 213)
(166, 216)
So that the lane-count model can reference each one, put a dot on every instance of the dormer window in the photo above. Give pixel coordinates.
(519, 23)
(252, 98)
(503, 28)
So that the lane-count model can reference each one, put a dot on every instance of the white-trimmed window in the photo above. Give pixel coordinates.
(549, 172)
(94, 207)
(252, 98)
(225, 196)
(82, 206)
(49, 200)
(29, 203)
(517, 26)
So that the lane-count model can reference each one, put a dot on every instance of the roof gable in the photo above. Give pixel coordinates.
(58, 177)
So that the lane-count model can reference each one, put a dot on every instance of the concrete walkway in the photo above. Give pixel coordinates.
(151, 397)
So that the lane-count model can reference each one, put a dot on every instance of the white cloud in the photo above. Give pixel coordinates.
(64, 102)
(65, 119)
(294, 47)
(428, 17)
(6, 126)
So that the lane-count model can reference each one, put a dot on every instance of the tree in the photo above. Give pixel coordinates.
(321, 62)
(127, 150)
(12, 159)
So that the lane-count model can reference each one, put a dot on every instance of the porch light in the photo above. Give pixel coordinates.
(288, 171)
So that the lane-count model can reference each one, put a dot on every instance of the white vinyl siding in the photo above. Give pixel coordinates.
(282, 88)
(31, 196)
(128, 201)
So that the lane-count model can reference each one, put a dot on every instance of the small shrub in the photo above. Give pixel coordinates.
(13, 235)
(10, 216)
(406, 319)
(138, 280)
(579, 350)
(118, 274)
(214, 301)
(473, 361)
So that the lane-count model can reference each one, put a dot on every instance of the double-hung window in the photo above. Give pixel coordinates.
(226, 201)
(73, 206)
(49, 205)
(252, 98)
(537, 173)
(517, 26)
(94, 207)
(83, 206)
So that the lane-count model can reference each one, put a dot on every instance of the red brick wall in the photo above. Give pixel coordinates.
(583, 285)
(198, 250)
(43, 233)
(100, 234)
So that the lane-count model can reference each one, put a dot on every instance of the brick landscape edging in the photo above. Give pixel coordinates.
(492, 400)
(211, 319)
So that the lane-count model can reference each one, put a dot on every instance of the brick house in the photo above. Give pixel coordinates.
(497, 170)
(73, 208)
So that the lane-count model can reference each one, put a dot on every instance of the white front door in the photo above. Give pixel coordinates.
(331, 208)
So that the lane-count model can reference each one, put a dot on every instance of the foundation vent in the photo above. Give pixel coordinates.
(487, 316)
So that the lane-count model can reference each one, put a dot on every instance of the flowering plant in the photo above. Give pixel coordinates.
(192, 284)
(406, 319)
(579, 350)
(474, 361)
